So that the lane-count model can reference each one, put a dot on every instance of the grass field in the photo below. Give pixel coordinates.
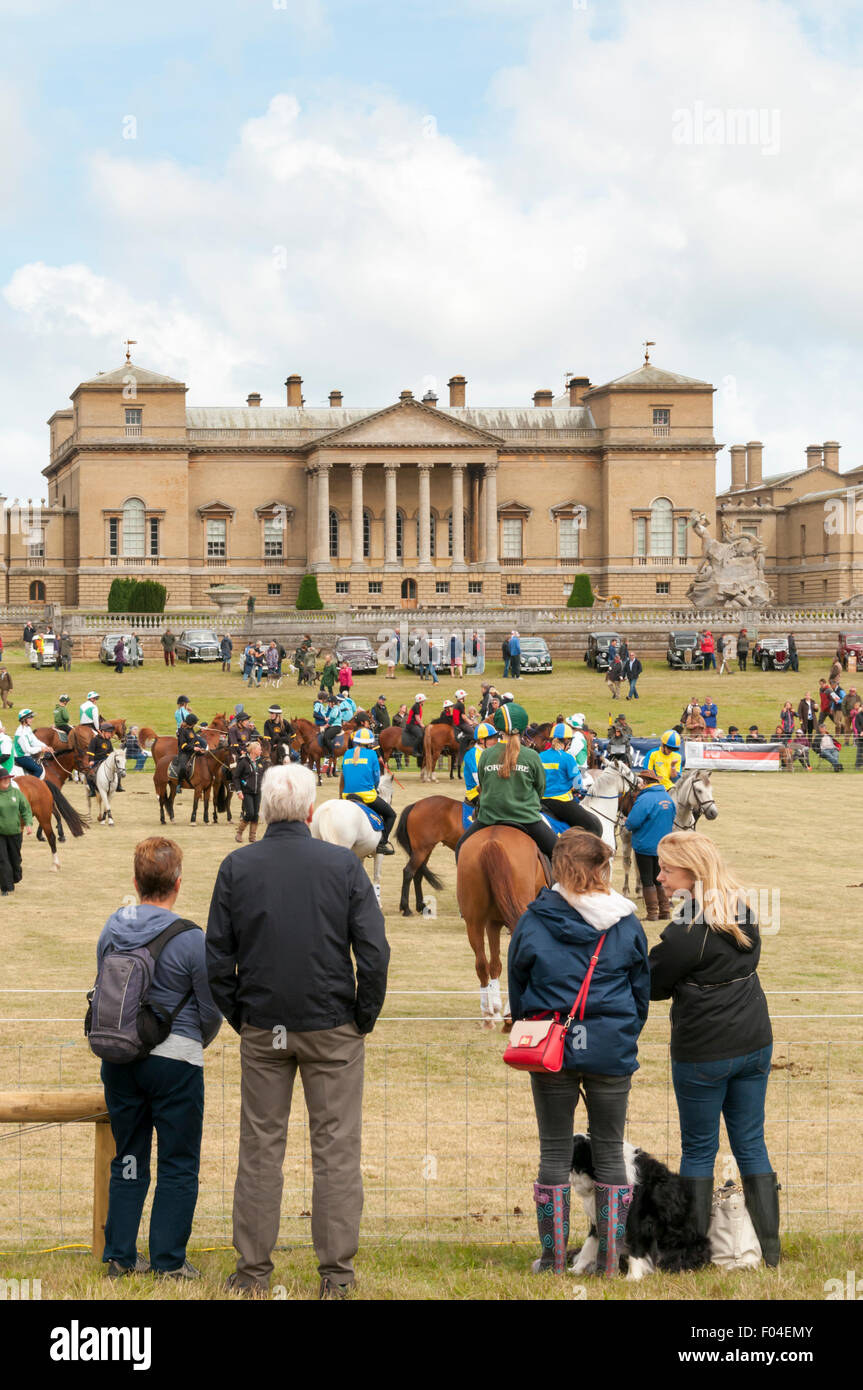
(450, 1143)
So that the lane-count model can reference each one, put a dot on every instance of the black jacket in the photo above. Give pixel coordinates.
(285, 916)
(718, 1007)
(249, 774)
(380, 716)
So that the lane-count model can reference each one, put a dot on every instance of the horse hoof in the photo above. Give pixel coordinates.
(406, 912)
(487, 1025)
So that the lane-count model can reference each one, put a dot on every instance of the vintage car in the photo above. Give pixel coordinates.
(684, 649)
(851, 642)
(44, 650)
(535, 657)
(358, 652)
(198, 644)
(771, 653)
(597, 648)
(131, 646)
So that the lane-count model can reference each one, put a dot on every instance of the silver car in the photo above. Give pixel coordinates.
(198, 644)
(131, 647)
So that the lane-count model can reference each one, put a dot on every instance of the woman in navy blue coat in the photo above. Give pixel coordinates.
(549, 957)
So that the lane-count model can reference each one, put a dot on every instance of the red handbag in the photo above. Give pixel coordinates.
(536, 1044)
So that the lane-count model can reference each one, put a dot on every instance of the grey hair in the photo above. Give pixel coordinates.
(287, 793)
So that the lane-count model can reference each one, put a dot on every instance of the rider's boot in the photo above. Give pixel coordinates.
(385, 848)
(665, 908)
(651, 902)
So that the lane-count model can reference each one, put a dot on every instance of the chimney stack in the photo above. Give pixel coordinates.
(753, 462)
(295, 390)
(253, 398)
(456, 386)
(738, 466)
(336, 400)
(831, 454)
(813, 456)
(577, 387)
(543, 399)
(429, 398)
(406, 395)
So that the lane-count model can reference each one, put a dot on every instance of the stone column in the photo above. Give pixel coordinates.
(424, 558)
(311, 517)
(482, 494)
(322, 561)
(491, 559)
(458, 515)
(357, 561)
(391, 559)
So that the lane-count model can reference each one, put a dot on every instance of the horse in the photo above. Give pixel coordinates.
(160, 745)
(394, 740)
(46, 800)
(345, 823)
(692, 795)
(305, 739)
(616, 783)
(437, 740)
(81, 736)
(108, 775)
(208, 775)
(500, 872)
(436, 820)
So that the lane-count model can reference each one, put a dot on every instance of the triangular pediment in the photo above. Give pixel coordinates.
(410, 423)
(216, 508)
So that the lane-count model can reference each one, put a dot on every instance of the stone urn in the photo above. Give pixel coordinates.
(229, 598)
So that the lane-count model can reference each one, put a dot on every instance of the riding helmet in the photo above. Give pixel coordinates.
(363, 738)
(510, 719)
(62, 699)
(25, 713)
(485, 731)
(92, 694)
(671, 739)
(560, 731)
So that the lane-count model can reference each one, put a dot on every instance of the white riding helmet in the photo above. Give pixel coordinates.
(447, 704)
(419, 698)
(92, 694)
(576, 721)
(461, 694)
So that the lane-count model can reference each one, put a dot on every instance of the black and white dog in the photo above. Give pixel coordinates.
(660, 1223)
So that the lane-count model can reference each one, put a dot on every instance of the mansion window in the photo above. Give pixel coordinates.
(661, 416)
(569, 529)
(334, 535)
(432, 535)
(376, 586)
(663, 586)
(802, 541)
(474, 586)
(449, 535)
(441, 586)
(661, 527)
(681, 536)
(511, 529)
(641, 535)
(37, 591)
(113, 535)
(400, 535)
(274, 589)
(513, 588)
(367, 535)
(36, 547)
(274, 532)
(134, 421)
(134, 527)
(217, 539)
(153, 528)
(343, 586)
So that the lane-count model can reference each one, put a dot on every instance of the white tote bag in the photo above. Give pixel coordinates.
(733, 1242)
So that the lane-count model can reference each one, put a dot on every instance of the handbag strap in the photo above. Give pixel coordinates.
(581, 997)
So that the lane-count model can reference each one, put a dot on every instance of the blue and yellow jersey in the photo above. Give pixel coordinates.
(471, 776)
(561, 774)
(361, 770)
(666, 766)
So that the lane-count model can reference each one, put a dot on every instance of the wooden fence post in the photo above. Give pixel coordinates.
(103, 1152)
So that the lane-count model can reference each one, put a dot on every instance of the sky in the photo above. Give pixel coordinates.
(378, 194)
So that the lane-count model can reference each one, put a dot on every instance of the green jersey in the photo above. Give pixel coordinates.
(14, 808)
(513, 800)
(61, 718)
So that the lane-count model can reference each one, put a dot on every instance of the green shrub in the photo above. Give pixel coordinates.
(137, 596)
(308, 597)
(582, 593)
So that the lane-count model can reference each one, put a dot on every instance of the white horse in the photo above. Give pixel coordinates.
(108, 776)
(609, 785)
(345, 823)
(692, 795)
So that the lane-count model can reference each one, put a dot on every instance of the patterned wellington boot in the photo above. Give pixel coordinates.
(552, 1216)
(612, 1205)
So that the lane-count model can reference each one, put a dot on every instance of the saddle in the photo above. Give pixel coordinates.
(468, 814)
(558, 826)
(375, 821)
(174, 770)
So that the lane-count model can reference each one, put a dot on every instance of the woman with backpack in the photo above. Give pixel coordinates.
(158, 1088)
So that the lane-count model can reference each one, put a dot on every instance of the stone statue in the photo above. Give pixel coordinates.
(731, 572)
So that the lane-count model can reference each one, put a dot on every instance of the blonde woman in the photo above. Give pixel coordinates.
(721, 1041)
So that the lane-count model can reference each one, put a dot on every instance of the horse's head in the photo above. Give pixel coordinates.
(702, 793)
(119, 728)
(219, 721)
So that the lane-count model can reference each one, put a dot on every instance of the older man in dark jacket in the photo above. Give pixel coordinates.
(285, 917)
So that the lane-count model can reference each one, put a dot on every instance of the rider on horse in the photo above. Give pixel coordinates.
(276, 730)
(7, 752)
(88, 712)
(666, 761)
(414, 727)
(578, 743)
(189, 742)
(27, 746)
(361, 775)
(512, 783)
(100, 749)
(562, 779)
(333, 731)
(62, 721)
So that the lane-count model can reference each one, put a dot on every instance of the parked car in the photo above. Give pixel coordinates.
(771, 653)
(417, 649)
(851, 642)
(131, 646)
(535, 657)
(684, 649)
(49, 655)
(597, 648)
(359, 652)
(198, 644)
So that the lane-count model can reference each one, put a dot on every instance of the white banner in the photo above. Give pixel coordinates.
(740, 757)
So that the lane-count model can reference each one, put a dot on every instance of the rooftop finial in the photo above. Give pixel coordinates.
(649, 343)
(130, 343)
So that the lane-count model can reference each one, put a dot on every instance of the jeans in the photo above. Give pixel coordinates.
(633, 692)
(734, 1088)
(515, 666)
(506, 662)
(828, 754)
(555, 1097)
(709, 661)
(29, 765)
(140, 759)
(166, 1095)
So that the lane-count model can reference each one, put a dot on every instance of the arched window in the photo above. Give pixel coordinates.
(400, 535)
(432, 535)
(661, 532)
(334, 535)
(133, 527)
(449, 533)
(367, 534)
(37, 591)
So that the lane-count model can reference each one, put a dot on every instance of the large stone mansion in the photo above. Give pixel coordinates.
(416, 503)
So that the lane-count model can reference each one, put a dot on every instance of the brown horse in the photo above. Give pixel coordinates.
(161, 745)
(500, 872)
(393, 740)
(439, 739)
(208, 775)
(436, 820)
(305, 740)
(46, 800)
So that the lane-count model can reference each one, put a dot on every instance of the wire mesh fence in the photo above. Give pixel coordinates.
(449, 1142)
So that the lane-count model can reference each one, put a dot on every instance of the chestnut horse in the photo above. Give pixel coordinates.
(209, 774)
(436, 820)
(305, 741)
(160, 745)
(439, 739)
(500, 872)
(393, 740)
(46, 800)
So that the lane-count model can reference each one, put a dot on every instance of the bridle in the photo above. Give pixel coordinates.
(695, 811)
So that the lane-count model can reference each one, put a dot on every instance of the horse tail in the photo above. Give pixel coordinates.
(67, 812)
(404, 840)
(223, 795)
(428, 760)
(496, 867)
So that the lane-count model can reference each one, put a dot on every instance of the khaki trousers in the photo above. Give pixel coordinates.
(330, 1064)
